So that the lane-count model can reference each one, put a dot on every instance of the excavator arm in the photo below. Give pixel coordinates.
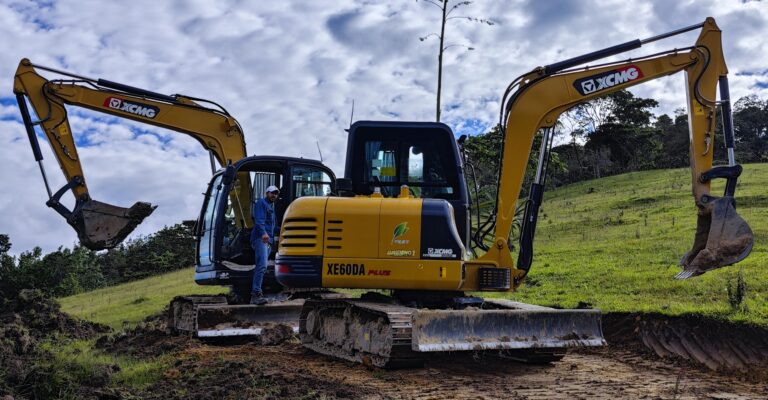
(539, 97)
(100, 225)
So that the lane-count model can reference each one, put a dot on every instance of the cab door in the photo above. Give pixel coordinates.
(206, 247)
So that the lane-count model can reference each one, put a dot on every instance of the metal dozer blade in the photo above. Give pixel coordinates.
(722, 237)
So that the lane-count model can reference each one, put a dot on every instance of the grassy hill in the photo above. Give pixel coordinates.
(614, 244)
(132, 302)
(611, 243)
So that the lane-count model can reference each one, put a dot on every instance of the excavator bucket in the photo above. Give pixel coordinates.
(102, 226)
(722, 238)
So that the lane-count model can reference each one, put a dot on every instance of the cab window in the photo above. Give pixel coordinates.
(310, 181)
(416, 163)
(262, 180)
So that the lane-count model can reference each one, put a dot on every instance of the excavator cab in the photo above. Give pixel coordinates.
(224, 254)
(385, 155)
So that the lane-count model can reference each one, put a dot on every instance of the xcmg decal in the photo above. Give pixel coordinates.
(142, 110)
(606, 80)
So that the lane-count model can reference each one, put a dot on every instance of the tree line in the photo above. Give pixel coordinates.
(616, 134)
(70, 271)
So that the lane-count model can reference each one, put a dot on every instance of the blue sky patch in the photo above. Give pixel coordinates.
(469, 127)
(8, 101)
(753, 73)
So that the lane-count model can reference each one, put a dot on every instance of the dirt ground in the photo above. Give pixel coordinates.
(26, 321)
(624, 370)
(279, 368)
(289, 371)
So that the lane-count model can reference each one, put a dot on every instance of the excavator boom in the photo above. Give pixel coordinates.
(100, 225)
(722, 236)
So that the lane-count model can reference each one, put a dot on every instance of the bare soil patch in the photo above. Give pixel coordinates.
(625, 369)
(27, 320)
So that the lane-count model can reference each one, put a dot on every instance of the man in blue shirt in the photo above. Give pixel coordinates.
(262, 235)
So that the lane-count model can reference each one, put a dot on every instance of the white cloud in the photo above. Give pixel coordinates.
(290, 70)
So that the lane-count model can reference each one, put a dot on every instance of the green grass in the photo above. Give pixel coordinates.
(614, 244)
(81, 362)
(131, 302)
(119, 307)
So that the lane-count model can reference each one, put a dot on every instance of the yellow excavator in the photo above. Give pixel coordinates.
(396, 228)
(223, 258)
(100, 225)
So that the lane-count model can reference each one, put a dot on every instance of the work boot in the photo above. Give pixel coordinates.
(258, 299)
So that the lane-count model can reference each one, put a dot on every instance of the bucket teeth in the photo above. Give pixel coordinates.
(722, 238)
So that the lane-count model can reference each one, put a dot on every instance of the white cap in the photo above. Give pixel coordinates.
(272, 189)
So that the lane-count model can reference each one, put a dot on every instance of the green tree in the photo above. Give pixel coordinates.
(69, 271)
(750, 117)
(675, 143)
(7, 269)
(168, 249)
(626, 133)
(484, 155)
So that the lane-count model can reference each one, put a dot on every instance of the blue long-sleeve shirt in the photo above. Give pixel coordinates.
(263, 220)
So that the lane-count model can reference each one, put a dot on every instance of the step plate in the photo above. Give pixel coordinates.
(245, 320)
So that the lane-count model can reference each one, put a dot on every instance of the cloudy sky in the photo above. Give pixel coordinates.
(290, 70)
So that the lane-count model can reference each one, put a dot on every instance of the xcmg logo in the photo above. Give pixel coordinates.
(143, 110)
(607, 80)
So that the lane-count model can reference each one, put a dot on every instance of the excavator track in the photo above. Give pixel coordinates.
(370, 333)
(388, 335)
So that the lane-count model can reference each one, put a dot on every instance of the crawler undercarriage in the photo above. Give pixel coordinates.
(381, 332)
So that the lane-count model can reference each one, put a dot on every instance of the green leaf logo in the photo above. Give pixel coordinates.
(400, 230)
